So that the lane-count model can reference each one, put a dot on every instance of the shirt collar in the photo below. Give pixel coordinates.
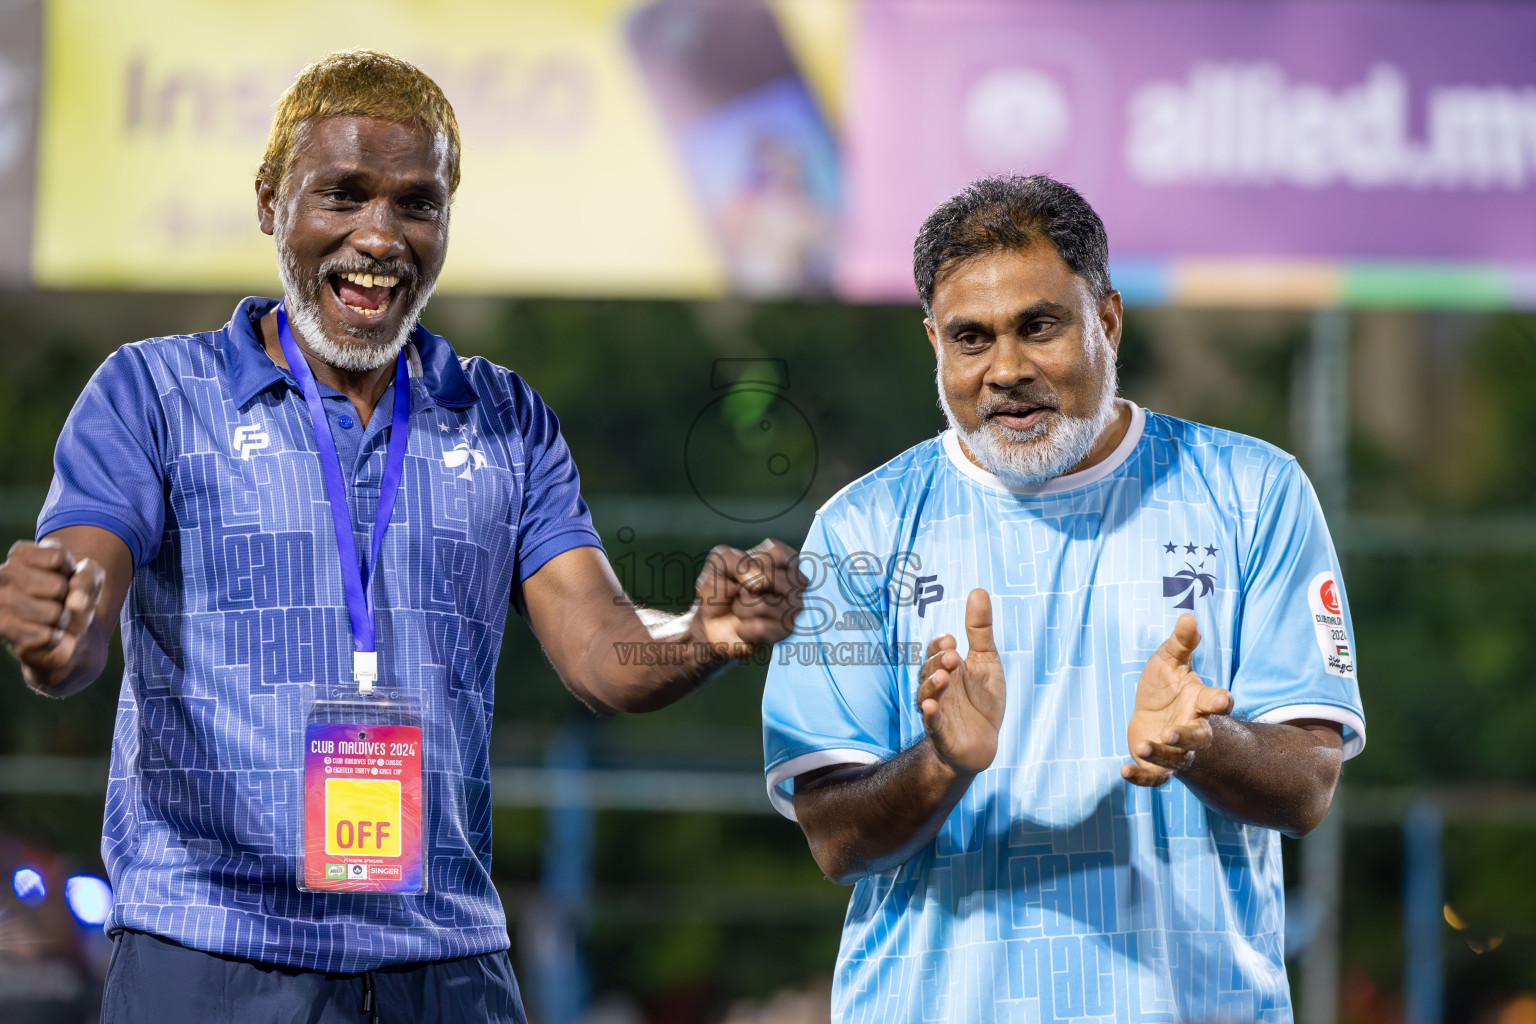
(251, 371)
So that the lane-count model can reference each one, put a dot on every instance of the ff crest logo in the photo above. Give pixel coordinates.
(928, 591)
(250, 439)
(1328, 621)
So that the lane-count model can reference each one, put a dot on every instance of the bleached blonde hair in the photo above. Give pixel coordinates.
(356, 83)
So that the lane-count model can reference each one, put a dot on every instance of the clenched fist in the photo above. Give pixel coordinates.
(48, 600)
(748, 600)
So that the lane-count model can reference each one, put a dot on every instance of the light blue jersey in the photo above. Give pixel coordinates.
(1056, 890)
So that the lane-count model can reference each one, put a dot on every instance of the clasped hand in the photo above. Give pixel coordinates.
(1170, 724)
(962, 699)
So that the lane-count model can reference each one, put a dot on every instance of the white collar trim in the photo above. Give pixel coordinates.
(1093, 474)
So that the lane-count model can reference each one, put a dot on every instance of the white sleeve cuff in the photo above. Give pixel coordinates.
(1354, 741)
(787, 771)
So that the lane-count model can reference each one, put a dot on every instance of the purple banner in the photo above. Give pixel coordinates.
(1203, 130)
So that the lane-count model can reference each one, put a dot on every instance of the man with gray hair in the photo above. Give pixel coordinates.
(1076, 814)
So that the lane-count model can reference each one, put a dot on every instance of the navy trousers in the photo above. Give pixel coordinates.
(154, 981)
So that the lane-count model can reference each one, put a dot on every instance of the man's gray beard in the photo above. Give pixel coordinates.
(304, 315)
(1050, 448)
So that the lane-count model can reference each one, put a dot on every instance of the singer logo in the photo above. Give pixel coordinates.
(250, 439)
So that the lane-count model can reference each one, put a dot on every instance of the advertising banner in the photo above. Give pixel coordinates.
(1272, 152)
(1295, 152)
(607, 147)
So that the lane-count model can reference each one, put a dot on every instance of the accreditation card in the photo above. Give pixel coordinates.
(363, 799)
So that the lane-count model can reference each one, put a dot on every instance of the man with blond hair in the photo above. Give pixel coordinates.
(312, 520)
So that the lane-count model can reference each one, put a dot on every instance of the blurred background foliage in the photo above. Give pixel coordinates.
(692, 911)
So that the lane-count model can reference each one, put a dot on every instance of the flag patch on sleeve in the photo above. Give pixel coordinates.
(1328, 619)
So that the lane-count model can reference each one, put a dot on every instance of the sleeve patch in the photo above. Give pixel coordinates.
(1328, 620)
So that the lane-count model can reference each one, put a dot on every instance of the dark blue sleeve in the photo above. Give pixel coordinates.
(554, 517)
(108, 469)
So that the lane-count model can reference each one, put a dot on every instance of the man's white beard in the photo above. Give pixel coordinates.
(303, 306)
(1050, 448)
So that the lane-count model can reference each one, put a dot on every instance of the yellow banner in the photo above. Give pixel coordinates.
(155, 114)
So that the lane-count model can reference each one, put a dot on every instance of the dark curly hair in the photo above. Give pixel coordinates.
(1009, 211)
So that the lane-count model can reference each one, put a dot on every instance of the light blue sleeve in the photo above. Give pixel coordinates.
(1296, 648)
(831, 691)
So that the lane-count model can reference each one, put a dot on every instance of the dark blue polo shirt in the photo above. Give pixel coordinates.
(197, 451)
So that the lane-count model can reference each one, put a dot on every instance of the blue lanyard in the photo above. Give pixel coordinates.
(365, 659)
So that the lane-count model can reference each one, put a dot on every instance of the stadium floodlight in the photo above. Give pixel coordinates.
(29, 886)
(89, 898)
